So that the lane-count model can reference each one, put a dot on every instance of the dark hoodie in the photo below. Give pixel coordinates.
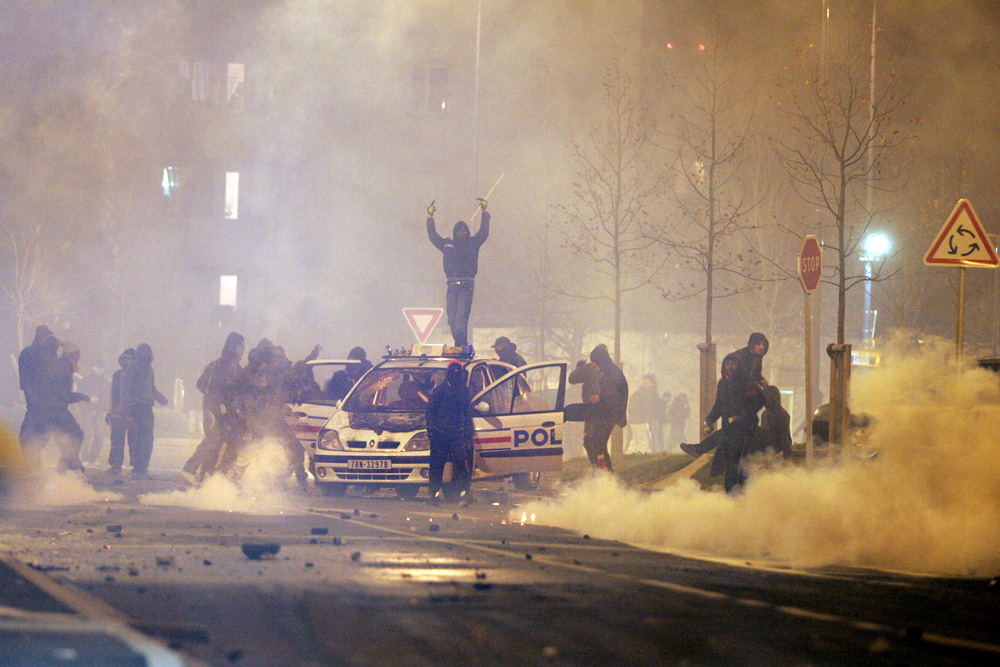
(460, 256)
(613, 386)
(732, 404)
(220, 379)
(449, 411)
(752, 364)
(28, 364)
(139, 381)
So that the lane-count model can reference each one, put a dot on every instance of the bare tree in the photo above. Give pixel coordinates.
(619, 181)
(31, 280)
(709, 191)
(839, 138)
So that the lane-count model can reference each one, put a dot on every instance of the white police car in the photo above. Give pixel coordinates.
(378, 438)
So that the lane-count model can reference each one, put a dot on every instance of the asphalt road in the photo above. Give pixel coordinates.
(375, 580)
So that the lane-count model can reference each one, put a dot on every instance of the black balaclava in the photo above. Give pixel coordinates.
(41, 331)
(456, 375)
(144, 353)
(126, 357)
(233, 341)
(600, 356)
(459, 225)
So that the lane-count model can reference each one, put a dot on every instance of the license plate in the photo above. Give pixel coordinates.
(369, 464)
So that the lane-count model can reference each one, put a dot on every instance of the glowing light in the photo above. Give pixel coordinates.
(670, 45)
(877, 244)
(701, 47)
(524, 517)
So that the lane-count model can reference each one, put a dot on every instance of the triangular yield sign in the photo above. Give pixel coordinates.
(422, 321)
(962, 241)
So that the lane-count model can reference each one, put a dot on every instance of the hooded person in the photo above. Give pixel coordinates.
(737, 408)
(752, 358)
(29, 370)
(612, 408)
(355, 371)
(219, 384)
(117, 416)
(460, 255)
(507, 352)
(450, 430)
(51, 403)
(139, 392)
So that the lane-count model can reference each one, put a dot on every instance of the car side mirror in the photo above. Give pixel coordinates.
(482, 407)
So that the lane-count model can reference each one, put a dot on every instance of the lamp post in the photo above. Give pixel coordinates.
(875, 246)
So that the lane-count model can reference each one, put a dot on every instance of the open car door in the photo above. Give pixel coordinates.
(320, 386)
(519, 421)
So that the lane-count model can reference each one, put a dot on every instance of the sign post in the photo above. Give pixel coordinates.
(962, 243)
(422, 321)
(810, 271)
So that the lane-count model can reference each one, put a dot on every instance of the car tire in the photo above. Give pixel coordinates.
(332, 489)
(527, 481)
(407, 491)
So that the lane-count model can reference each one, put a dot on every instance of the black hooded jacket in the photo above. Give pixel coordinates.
(449, 411)
(461, 257)
(752, 364)
(29, 366)
(613, 386)
(733, 404)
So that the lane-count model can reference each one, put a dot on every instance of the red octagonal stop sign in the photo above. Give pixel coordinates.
(810, 264)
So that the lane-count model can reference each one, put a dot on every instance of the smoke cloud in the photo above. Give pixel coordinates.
(259, 489)
(929, 503)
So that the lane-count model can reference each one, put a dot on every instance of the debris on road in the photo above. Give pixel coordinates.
(114, 528)
(319, 531)
(257, 551)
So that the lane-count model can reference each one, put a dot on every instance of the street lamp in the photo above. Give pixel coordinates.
(874, 247)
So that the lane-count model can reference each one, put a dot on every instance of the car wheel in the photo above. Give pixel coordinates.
(861, 446)
(407, 491)
(332, 489)
(527, 481)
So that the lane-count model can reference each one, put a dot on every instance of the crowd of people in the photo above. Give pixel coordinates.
(46, 370)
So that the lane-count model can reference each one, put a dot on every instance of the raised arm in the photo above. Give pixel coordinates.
(432, 234)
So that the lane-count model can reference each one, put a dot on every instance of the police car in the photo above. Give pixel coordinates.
(377, 436)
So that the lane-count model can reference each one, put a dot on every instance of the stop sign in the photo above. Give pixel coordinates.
(810, 264)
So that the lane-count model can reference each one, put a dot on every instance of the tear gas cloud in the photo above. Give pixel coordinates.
(929, 503)
(259, 490)
(53, 489)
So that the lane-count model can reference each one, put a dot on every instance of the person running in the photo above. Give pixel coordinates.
(460, 255)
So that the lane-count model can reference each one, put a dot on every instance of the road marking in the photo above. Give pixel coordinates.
(787, 610)
(85, 605)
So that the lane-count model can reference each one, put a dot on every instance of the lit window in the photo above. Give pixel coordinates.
(232, 195)
(169, 183)
(227, 291)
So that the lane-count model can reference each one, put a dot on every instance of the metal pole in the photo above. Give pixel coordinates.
(809, 381)
(960, 324)
(870, 198)
(868, 303)
(475, 105)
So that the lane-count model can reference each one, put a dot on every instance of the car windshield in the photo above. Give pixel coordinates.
(394, 390)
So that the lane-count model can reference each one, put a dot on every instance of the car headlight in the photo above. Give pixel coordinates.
(418, 443)
(329, 440)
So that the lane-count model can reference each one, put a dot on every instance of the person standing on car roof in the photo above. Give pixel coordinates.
(451, 431)
(507, 352)
(460, 255)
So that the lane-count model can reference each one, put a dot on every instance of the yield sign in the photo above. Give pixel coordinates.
(422, 321)
(962, 241)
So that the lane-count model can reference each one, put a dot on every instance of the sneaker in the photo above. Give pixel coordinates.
(690, 450)
(190, 477)
(466, 499)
